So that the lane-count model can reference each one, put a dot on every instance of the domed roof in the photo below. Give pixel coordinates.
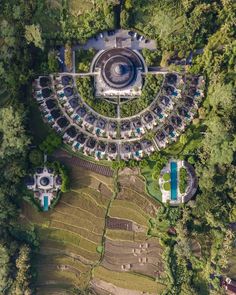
(44, 181)
(119, 69)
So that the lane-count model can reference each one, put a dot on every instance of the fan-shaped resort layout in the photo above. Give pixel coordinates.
(117, 147)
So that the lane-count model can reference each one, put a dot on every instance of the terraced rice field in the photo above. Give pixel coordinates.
(70, 233)
(132, 260)
(92, 217)
(128, 281)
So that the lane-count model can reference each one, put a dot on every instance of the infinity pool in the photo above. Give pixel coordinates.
(173, 181)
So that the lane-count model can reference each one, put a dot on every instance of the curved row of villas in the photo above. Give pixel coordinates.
(113, 138)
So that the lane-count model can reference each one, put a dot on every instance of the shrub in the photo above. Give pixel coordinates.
(166, 176)
(183, 180)
(100, 249)
(64, 173)
(53, 63)
(166, 186)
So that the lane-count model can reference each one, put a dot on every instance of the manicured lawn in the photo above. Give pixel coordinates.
(152, 185)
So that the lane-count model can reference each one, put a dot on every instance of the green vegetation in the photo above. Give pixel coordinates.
(151, 57)
(166, 177)
(83, 59)
(51, 143)
(36, 157)
(166, 186)
(150, 89)
(183, 180)
(86, 90)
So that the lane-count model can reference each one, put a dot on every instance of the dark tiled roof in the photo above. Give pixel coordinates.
(91, 143)
(73, 103)
(148, 117)
(71, 131)
(81, 111)
(165, 100)
(90, 118)
(50, 103)
(62, 122)
(171, 78)
(81, 138)
(125, 126)
(112, 148)
(68, 91)
(157, 110)
(66, 80)
(101, 146)
(137, 123)
(160, 136)
(44, 81)
(101, 123)
(176, 120)
(56, 114)
(46, 92)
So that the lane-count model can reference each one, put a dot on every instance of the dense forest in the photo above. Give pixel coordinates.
(31, 30)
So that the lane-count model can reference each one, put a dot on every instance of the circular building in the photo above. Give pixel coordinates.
(119, 72)
(44, 181)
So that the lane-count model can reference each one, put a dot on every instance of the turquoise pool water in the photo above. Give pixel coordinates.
(45, 203)
(173, 181)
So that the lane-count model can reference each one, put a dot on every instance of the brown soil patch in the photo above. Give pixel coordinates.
(141, 257)
(115, 223)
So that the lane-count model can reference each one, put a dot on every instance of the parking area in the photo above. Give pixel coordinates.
(118, 38)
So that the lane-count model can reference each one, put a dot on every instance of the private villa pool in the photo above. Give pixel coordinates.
(45, 203)
(173, 181)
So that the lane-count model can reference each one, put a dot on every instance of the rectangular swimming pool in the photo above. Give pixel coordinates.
(45, 203)
(173, 181)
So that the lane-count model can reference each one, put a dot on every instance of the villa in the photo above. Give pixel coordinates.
(45, 184)
(178, 182)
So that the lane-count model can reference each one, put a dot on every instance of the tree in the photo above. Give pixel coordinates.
(51, 143)
(13, 138)
(33, 35)
(124, 19)
(36, 157)
(21, 284)
(5, 280)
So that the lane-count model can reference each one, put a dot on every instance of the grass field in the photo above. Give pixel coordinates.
(128, 280)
